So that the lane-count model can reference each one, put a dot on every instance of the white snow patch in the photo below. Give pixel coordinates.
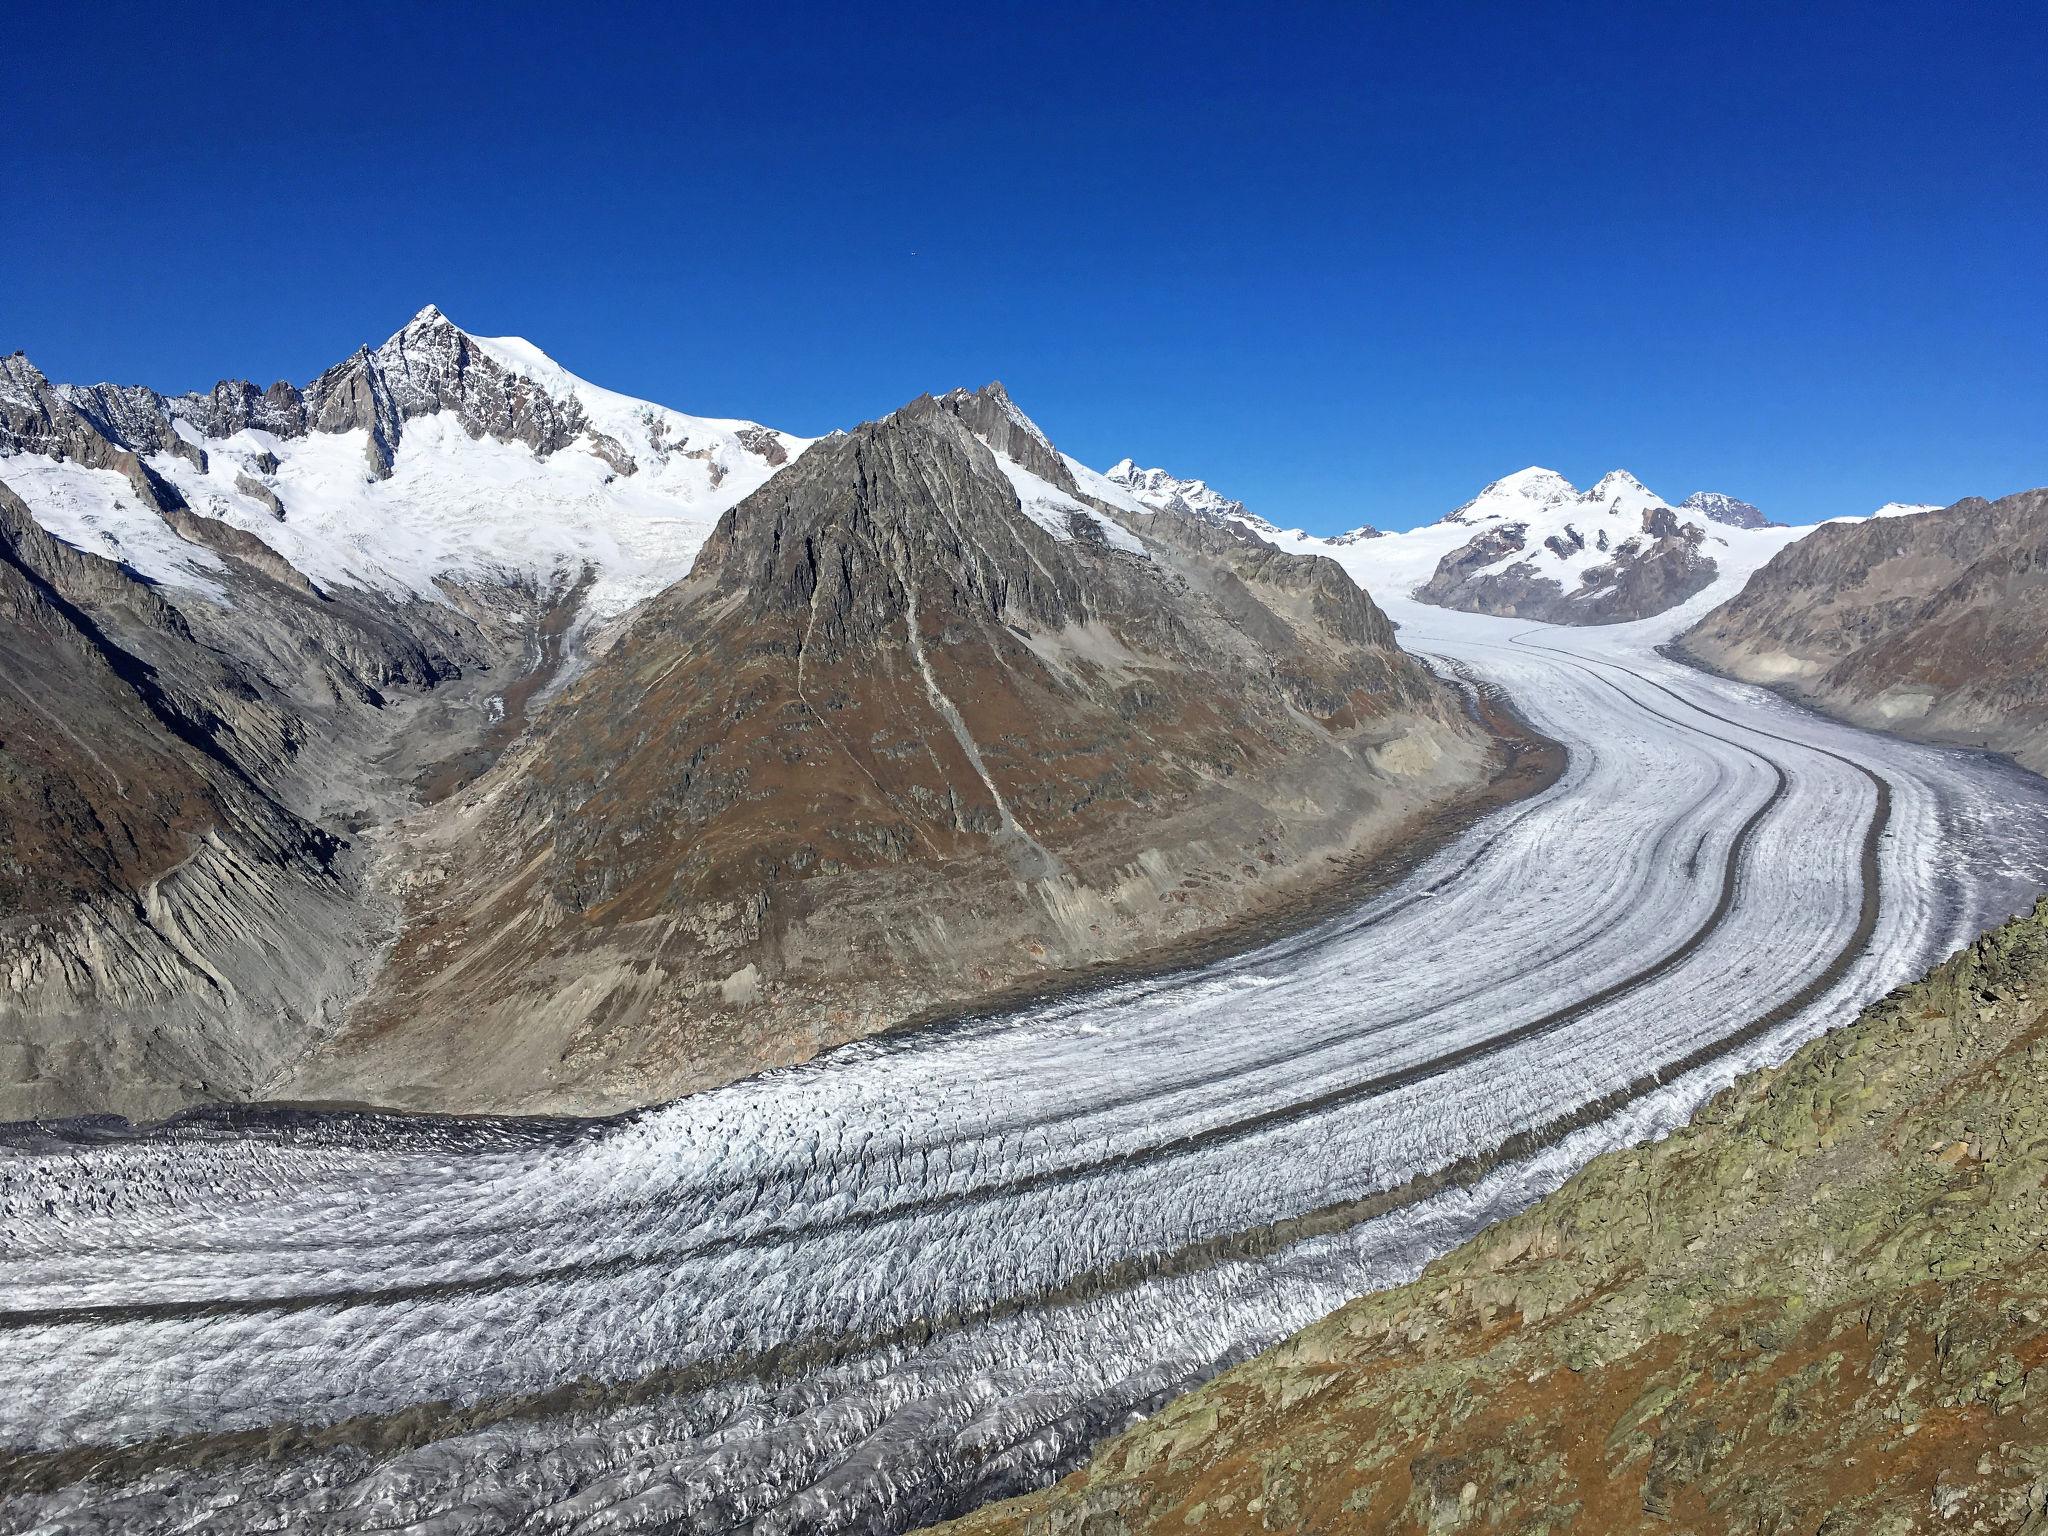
(1054, 510)
(96, 510)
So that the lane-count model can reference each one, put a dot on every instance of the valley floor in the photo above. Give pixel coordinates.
(934, 1269)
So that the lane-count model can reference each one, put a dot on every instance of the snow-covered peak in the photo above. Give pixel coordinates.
(434, 457)
(1535, 482)
(1516, 495)
(1624, 493)
(1159, 491)
(1537, 522)
(1544, 499)
(1905, 508)
(652, 434)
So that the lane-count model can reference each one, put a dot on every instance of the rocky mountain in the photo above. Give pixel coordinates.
(1716, 507)
(1543, 549)
(1158, 491)
(1934, 623)
(937, 712)
(436, 457)
(1816, 1308)
(248, 625)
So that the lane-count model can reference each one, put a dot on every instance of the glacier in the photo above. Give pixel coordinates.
(934, 1268)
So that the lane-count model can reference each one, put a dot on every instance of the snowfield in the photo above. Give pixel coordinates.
(920, 1272)
(630, 505)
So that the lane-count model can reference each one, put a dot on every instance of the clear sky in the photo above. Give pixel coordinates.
(1348, 263)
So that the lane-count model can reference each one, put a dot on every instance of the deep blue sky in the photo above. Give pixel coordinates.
(1348, 263)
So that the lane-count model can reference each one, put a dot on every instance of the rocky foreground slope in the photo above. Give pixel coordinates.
(1934, 624)
(937, 712)
(1817, 1308)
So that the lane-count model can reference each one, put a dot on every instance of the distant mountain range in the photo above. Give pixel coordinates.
(1530, 545)
(435, 457)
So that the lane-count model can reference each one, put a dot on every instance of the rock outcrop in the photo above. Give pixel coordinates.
(160, 908)
(927, 720)
(1817, 1308)
(1544, 550)
(1934, 624)
(1717, 507)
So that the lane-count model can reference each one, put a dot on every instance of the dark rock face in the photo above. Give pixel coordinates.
(1727, 510)
(35, 417)
(177, 909)
(1934, 624)
(893, 742)
(1815, 1308)
(432, 366)
(428, 367)
(154, 889)
(1645, 575)
(234, 404)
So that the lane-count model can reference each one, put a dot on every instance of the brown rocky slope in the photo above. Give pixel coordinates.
(923, 722)
(183, 769)
(1934, 625)
(1816, 1309)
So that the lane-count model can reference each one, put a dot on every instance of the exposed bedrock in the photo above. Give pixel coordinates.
(1646, 573)
(178, 780)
